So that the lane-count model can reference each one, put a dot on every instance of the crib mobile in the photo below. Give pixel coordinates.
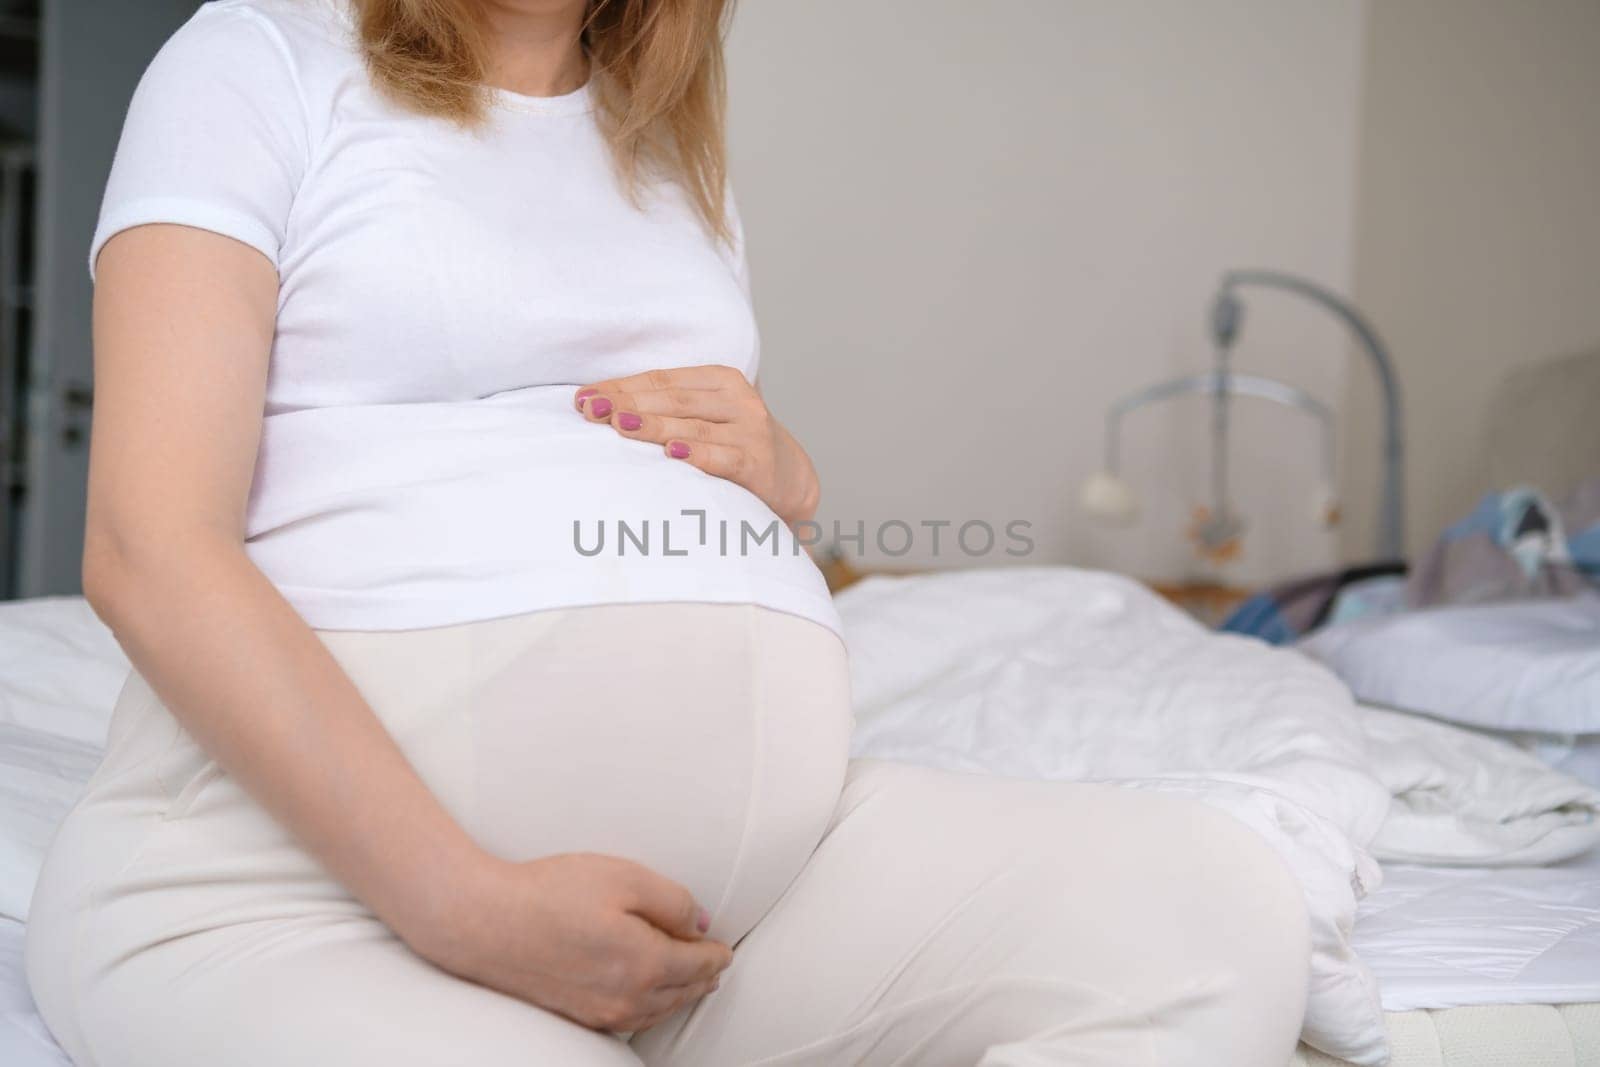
(1218, 529)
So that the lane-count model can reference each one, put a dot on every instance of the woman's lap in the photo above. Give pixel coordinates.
(945, 918)
(940, 915)
(343, 992)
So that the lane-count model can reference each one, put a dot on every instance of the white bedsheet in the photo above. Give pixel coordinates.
(1465, 937)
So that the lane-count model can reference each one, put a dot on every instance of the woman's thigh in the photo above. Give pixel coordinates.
(956, 919)
(343, 992)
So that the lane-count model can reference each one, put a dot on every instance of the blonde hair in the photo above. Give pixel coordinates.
(656, 72)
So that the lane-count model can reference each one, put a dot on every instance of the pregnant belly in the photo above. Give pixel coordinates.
(707, 742)
(412, 515)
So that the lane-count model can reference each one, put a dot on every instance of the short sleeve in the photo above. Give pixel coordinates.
(215, 135)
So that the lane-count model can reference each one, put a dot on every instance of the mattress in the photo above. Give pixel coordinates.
(1522, 1035)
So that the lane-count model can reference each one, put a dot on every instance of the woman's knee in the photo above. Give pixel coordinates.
(1249, 930)
(1163, 874)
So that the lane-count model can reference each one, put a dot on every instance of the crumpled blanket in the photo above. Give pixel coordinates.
(1075, 675)
(1466, 799)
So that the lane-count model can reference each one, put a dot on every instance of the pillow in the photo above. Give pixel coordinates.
(1524, 665)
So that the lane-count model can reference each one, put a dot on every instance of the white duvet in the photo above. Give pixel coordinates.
(1052, 673)
(1068, 674)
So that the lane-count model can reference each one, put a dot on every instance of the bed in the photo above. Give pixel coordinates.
(1474, 965)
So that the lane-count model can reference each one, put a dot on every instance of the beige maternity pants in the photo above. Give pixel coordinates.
(882, 914)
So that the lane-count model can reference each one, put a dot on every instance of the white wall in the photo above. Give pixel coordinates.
(1478, 238)
(972, 226)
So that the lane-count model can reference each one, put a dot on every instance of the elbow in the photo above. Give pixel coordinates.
(105, 572)
(127, 569)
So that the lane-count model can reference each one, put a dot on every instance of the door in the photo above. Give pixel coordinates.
(92, 53)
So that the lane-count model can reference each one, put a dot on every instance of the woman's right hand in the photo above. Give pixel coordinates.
(601, 940)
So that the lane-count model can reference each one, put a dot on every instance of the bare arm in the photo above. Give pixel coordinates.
(183, 327)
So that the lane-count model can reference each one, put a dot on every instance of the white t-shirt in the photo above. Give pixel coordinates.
(442, 293)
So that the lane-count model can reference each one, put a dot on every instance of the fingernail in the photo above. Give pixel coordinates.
(583, 394)
(600, 407)
(703, 922)
(629, 421)
(678, 450)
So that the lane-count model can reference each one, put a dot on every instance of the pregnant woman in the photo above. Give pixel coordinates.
(484, 711)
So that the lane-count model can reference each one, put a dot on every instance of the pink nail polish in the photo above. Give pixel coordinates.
(678, 450)
(583, 394)
(600, 407)
(629, 421)
(703, 923)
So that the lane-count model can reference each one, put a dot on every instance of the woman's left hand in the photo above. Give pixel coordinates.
(714, 419)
